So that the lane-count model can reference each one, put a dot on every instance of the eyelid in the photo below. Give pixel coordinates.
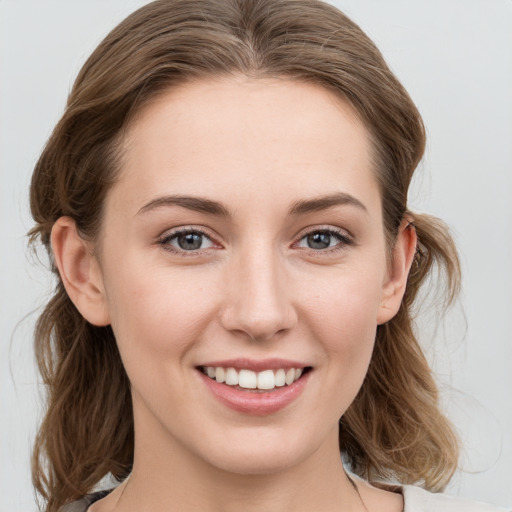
(345, 238)
(169, 234)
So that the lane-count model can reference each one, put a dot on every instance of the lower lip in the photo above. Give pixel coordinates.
(256, 403)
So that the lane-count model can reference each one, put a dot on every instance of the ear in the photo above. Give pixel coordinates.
(80, 271)
(402, 257)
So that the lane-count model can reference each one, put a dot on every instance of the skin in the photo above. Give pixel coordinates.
(255, 289)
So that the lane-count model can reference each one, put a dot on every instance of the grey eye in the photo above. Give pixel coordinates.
(319, 240)
(188, 241)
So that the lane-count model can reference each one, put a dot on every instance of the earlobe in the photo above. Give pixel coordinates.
(79, 271)
(402, 257)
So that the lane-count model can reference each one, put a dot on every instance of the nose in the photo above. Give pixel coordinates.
(258, 296)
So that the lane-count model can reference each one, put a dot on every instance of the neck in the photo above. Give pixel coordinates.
(176, 479)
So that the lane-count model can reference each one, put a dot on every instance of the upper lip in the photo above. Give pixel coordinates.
(256, 365)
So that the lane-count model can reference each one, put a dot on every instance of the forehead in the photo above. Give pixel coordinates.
(256, 136)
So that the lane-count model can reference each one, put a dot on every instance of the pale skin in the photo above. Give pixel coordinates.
(257, 172)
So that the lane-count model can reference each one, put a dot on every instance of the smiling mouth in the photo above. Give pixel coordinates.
(248, 380)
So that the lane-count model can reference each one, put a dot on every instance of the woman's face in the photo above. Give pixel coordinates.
(244, 239)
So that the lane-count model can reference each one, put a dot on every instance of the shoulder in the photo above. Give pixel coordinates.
(419, 500)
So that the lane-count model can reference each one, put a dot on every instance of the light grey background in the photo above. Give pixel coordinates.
(455, 58)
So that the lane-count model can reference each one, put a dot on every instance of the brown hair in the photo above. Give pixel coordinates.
(394, 429)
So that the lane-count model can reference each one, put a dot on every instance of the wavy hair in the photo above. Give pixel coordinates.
(395, 428)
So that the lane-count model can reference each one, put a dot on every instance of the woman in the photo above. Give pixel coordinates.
(225, 204)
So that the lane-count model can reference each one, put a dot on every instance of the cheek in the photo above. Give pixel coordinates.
(347, 303)
(157, 312)
(344, 318)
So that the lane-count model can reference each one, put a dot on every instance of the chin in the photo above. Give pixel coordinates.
(261, 453)
(257, 463)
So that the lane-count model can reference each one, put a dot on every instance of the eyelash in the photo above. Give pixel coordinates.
(165, 241)
(342, 237)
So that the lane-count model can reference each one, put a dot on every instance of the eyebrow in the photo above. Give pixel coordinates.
(197, 204)
(203, 205)
(324, 202)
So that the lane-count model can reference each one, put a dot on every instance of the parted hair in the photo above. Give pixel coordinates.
(395, 429)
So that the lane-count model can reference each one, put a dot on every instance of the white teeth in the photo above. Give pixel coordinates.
(220, 374)
(248, 379)
(290, 376)
(231, 377)
(280, 378)
(266, 380)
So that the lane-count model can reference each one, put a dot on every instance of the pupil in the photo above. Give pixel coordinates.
(319, 240)
(190, 241)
